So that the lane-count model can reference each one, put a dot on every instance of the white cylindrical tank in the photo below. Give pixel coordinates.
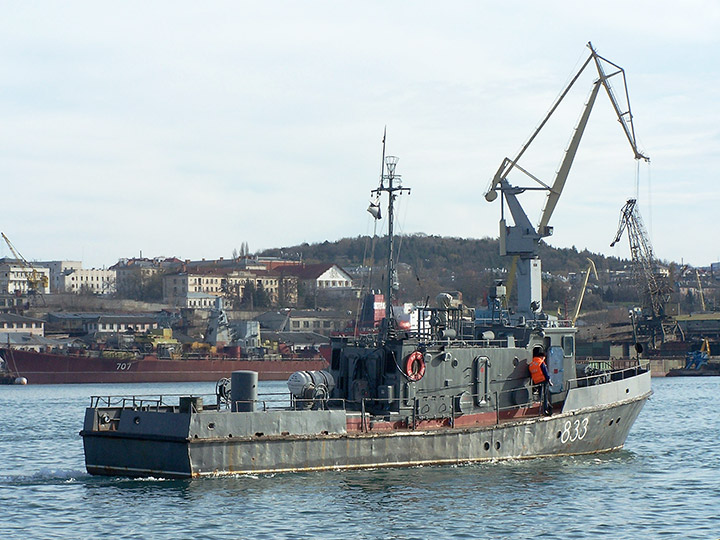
(311, 384)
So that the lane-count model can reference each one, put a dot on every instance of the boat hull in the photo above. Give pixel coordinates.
(46, 368)
(586, 431)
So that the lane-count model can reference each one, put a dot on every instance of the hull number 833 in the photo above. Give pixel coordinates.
(574, 431)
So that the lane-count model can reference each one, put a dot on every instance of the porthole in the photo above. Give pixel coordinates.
(627, 390)
(211, 425)
(617, 421)
(487, 446)
(559, 434)
(136, 420)
(611, 422)
(497, 445)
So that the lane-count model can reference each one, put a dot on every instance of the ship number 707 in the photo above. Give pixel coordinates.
(123, 366)
(574, 431)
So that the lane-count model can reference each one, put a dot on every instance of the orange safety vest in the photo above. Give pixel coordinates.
(536, 371)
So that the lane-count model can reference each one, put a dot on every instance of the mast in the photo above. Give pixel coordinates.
(392, 188)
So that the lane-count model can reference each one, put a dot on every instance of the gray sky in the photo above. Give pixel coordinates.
(180, 129)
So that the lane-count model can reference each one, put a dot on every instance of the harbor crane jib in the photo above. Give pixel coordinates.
(654, 288)
(521, 239)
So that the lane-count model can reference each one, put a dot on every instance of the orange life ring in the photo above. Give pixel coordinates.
(415, 366)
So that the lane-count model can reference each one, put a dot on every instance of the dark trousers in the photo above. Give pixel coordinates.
(545, 397)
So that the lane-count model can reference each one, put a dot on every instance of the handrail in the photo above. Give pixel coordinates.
(539, 323)
(608, 375)
(284, 401)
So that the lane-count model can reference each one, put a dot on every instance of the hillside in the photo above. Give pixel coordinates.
(438, 252)
(429, 264)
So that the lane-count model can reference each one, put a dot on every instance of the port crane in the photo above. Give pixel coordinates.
(521, 239)
(653, 284)
(37, 282)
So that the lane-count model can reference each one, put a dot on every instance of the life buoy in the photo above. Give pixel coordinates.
(415, 366)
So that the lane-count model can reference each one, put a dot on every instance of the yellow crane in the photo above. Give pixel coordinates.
(579, 302)
(700, 289)
(36, 281)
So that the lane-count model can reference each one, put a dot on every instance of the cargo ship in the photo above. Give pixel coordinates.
(156, 356)
(69, 368)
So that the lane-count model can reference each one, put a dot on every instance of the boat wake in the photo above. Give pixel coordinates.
(45, 476)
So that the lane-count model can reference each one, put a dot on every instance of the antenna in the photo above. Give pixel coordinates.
(392, 187)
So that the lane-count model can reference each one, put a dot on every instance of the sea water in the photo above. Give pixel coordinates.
(664, 484)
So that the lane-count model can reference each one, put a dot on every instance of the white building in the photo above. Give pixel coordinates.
(117, 323)
(89, 280)
(71, 277)
(320, 277)
(15, 276)
(17, 324)
(196, 300)
(199, 288)
(57, 269)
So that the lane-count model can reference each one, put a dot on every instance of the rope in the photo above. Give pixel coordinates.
(650, 220)
(401, 230)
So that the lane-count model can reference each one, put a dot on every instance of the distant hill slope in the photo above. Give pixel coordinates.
(429, 264)
(442, 253)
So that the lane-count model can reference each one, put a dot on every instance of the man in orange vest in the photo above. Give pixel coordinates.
(540, 375)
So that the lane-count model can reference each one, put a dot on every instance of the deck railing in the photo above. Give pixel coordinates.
(284, 401)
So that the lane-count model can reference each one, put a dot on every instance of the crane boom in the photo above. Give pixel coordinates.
(556, 190)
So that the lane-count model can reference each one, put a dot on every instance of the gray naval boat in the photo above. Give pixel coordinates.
(454, 388)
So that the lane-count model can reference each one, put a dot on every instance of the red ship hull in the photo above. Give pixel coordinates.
(47, 368)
